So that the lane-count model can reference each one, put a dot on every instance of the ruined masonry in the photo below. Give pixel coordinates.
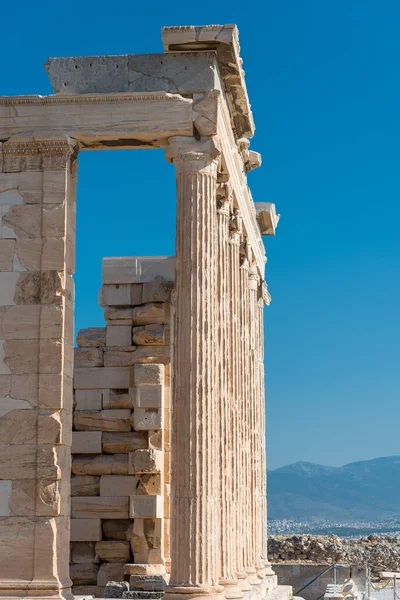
(121, 440)
(163, 409)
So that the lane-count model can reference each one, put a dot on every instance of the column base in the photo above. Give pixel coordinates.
(33, 590)
(194, 592)
(243, 583)
(231, 588)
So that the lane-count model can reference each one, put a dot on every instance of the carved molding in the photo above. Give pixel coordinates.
(36, 154)
(92, 98)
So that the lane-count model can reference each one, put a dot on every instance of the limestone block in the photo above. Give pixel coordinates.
(17, 461)
(132, 355)
(37, 287)
(119, 335)
(110, 572)
(145, 461)
(117, 529)
(88, 357)
(137, 269)
(118, 485)
(14, 532)
(118, 398)
(144, 569)
(157, 291)
(22, 356)
(93, 337)
(113, 551)
(121, 295)
(54, 224)
(103, 420)
(149, 374)
(155, 439)
(151, 313)
(104, 507)
(151, 335)
(86, 530)
(5, 496)
(19, 427)
(149, 485)
(24, 221)
(86, 442)
(53, 390)
(42, 255)
(85, 485)
(54, 427)
(82, 553)
(103, 464)
(150, 396)
(119, 356)
(121, 443)
(143, 419)
(24, 322)
(7, 248)
(151, 556)
(84, 574)
(89, 400)
(146, 507)
(105, 378)
(119, 316)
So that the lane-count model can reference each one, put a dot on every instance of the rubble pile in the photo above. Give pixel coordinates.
(379, 552)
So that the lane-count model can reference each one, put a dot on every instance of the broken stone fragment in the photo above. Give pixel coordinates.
(115, 589)
(103, 464)
(103, 420)
(88, 357)
(94, 337)
(145, 461)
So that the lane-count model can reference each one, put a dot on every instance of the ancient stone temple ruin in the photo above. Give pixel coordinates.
(164, 407)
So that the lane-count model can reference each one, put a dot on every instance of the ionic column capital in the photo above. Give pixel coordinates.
(191, 156)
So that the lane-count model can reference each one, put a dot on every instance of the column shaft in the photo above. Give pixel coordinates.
(195, 519)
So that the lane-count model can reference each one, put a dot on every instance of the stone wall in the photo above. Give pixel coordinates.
(381, 553)
(120, 440)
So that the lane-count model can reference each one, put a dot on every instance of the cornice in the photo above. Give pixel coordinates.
(233, 164)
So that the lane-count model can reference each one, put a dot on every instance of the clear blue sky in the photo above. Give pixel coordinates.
(323, 79)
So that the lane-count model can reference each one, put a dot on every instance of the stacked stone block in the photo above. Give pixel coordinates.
(120, 440)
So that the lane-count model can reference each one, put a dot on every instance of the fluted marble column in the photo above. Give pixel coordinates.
(228, 546)
(195, 518)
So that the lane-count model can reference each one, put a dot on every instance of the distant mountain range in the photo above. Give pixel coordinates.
(366, 490)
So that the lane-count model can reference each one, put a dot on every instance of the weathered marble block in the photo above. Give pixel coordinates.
(86, 530)
(146, 461)
(151, 374)
(86, 442)
(88, 357)
(104, 420)
(113, 551)
(146, 507)
(121, 443)
(103, 464)
(84, 573)
(118, 485)
(104, 507)
(85, 485)
(94, 337)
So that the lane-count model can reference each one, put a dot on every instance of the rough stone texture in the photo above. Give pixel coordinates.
(113, 551)
(104, 420)
(93, 337)
(85, 485)
(381, 553)
(115, 589)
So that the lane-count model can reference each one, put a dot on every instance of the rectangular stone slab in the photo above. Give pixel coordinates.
(113, 121)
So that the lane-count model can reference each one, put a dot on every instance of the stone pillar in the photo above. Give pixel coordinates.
(228, 544)
(238, 425)
(37, 236)
(195, 526)
(270, 578)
